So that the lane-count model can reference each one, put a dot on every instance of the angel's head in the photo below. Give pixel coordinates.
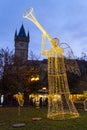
(55, 42)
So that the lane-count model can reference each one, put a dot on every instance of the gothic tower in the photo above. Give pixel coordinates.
(21, 44)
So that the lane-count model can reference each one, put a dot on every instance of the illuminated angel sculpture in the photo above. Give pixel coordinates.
(60, 106)
(20, 98)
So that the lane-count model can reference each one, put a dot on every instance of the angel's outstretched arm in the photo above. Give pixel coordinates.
(44, 51)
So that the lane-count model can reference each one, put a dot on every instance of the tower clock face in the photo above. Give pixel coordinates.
(21, 44)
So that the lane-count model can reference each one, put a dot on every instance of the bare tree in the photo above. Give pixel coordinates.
(6, 59)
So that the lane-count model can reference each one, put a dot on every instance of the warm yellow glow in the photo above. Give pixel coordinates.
(34, 78)
(44, 88)
(75, 97)
(37, 78)
(60, 106)
(20, 98)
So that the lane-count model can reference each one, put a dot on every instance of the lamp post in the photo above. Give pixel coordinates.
(35, 80)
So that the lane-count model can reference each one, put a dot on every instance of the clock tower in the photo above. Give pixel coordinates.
(21, 44)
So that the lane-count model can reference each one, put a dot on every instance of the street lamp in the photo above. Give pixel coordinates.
(35, 78)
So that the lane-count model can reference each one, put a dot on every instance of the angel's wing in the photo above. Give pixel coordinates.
(70, 61)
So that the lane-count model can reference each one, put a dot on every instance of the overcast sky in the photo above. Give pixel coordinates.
(65, 19)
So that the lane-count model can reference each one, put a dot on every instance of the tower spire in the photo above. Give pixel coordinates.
(22, 32)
